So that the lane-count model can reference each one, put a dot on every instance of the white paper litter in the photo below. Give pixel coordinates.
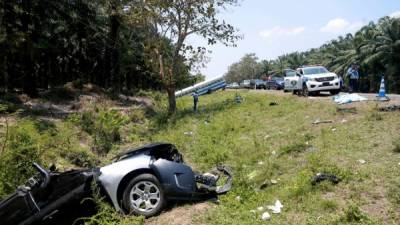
(348, 98)
(362, 161)
(265, 216)
(276, 208)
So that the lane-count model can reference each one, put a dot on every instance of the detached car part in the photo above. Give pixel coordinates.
(139, 181)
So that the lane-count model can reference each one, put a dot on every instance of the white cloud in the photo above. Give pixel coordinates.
(395, 14)
(340, 25)
(279, 32)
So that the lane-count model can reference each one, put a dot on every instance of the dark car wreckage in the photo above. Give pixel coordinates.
(139, 181)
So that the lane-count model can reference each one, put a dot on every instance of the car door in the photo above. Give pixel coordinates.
(292, 80)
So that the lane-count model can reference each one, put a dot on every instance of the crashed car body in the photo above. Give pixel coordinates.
(139, 181)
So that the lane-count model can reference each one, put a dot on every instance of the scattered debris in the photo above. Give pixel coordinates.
(252, 175)
(352, 110)
(260, 163)
(348, 98)
(188, 133)
(238, 198)
(311, 149)
(343, 121)
(390, 108)
(260, 208)
(274, 181)
(325, 176)
(266, 136)
(276, 208)
(316, 122)
(333, 129)
(238, 98)
(273, 103)
(273, 152)
(265, 216)
(362, 161)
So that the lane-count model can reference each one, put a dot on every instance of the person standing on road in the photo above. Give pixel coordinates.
(352, 74)
(195, 100)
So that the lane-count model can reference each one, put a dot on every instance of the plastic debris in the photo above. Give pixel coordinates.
(390, 108)
(325, 176)
(260, 208)
(273, 152)
(238, 198)
(274, 181)
(333, 129)
(277, 208)
(316, 122)
(252, 175)
(188, 133)
(273, 103)
(265, 216)
(343, 121)
(260, 163)
(362, 161)
(348, 98)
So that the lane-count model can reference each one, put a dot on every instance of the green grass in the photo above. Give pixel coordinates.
(262, 142)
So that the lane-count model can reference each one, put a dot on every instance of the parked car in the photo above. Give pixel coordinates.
(139, 181)
(275, 82)
(311, 79)
(245, 84)
(258, 84)
(233, 85)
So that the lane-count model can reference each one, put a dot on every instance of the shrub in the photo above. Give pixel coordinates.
(23, 148)
(103, 124)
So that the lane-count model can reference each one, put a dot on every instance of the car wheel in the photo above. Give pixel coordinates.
(144, 196)
(306, 93)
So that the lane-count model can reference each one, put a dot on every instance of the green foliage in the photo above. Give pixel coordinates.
(24, 147)
(293, 148)
(106, 214)
(353, 214)
(103, 124)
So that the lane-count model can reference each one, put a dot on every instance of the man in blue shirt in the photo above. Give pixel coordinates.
(352, 74)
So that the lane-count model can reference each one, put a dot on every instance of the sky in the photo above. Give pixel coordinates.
(274, 27)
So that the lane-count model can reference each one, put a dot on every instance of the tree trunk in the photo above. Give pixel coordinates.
(171, 99)
(29, 82)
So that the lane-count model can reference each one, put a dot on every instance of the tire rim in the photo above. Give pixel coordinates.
(145, 196)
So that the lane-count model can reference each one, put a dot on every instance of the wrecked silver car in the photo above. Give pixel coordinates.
(139, 181)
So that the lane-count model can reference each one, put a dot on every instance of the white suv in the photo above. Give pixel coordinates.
(311, 79)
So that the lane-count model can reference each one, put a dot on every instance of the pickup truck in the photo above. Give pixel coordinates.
(311, 80)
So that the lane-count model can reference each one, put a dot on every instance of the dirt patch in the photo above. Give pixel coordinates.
(182, 215)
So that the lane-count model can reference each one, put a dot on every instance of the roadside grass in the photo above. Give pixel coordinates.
(262, 142)
(259, 141)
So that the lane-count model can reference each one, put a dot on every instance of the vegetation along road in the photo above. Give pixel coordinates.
(274, 151)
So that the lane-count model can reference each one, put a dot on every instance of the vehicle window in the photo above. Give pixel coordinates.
(290, 73)
(314, 70)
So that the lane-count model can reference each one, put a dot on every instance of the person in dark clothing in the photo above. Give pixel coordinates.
(195, 100)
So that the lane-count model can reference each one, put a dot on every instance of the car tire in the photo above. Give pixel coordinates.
(305, 91)
(144, 196)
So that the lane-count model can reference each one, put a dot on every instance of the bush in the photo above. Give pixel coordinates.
(23, 148)
(106, 214)
(104, 125)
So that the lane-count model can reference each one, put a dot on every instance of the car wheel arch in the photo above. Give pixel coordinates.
(128, 177)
